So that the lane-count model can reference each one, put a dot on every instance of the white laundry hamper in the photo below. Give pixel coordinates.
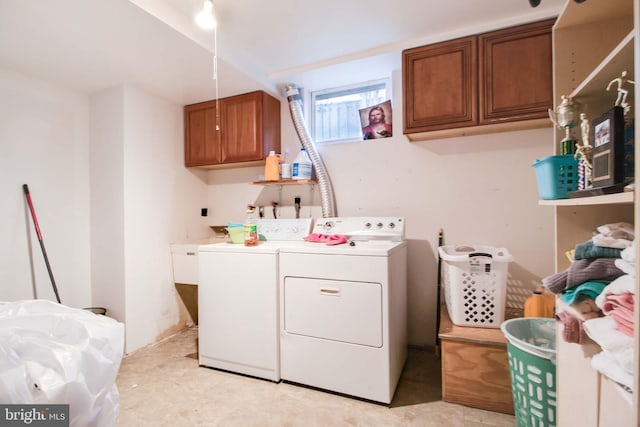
(475, 284)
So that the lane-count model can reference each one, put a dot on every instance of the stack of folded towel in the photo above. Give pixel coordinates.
(597, 294)
(614, 331)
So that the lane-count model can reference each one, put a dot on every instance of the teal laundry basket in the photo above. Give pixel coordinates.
(531, 353)
(556, 176)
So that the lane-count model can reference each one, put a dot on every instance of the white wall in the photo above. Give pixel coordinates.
(44, 143)
(143, 199)
(479, 190)
(111, 193)
(107, 203)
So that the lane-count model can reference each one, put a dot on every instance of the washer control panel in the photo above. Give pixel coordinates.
(284, 229)
(363, 228)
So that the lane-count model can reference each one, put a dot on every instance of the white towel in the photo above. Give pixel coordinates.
(629, 254)
(625, 266)
(627, 260)
(620, 347)
(617, 227)
(610, 241)
(604, 363)
(618, 235)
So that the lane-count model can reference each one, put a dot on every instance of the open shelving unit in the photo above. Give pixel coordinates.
(594, 42)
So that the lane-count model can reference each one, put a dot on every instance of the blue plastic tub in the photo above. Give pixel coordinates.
(556, 176)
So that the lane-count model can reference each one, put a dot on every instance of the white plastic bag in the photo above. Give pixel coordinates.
(53, 354)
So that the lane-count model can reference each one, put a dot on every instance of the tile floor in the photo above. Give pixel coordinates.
(162, 385)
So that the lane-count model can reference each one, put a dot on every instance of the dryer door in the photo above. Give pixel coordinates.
(336, 310)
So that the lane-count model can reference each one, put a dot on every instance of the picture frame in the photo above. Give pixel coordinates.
(608, 148)
(376, 121)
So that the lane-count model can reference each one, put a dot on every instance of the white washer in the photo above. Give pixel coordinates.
(343, 323)
(238, 302)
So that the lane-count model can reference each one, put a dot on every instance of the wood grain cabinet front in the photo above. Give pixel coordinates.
(516, 80)
(202, 139)
(440, 85)
(240, 129)
(487, 79)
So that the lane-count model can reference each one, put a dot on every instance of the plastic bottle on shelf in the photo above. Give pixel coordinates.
(301, 166)
(272, 167)
(250, 227)
(285, 166)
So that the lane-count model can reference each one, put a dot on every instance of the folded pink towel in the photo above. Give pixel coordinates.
(620, 308)
(619, 300)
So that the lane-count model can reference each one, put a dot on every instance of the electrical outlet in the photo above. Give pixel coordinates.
(204, 212)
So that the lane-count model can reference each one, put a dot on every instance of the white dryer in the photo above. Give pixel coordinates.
(343, 316)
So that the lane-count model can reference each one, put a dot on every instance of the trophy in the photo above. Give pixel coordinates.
(584, 155)
(565, 116)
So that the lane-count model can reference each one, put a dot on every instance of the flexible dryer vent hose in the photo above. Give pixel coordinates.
(324, 184)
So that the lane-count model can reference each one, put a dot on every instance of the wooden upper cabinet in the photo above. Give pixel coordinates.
(440, 85)
(516, 73)
(202, 146)
(249, 128)
(487, 79)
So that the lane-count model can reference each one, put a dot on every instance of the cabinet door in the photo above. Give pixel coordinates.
(440, 86)
(242, 128)
(202, 140)
(516, 73)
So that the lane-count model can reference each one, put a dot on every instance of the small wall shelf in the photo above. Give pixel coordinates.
(281, 183)
(286, 182)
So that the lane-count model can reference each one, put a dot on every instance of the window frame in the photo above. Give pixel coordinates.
(341, 91)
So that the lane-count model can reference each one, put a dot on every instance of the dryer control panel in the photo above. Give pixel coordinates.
(363, 228)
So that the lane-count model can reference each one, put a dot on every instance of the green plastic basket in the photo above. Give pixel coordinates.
(531, 354)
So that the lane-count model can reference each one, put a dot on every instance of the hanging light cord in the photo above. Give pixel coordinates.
(215, 79)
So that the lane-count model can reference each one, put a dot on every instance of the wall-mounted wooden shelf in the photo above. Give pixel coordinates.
(286, 182)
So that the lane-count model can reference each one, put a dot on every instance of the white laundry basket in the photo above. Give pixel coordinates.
(475, 284)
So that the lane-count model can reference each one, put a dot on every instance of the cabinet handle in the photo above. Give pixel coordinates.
(330, 291)
(191, 253)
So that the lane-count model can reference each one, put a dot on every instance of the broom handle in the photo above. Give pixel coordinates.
(25, 188)
(438, 288)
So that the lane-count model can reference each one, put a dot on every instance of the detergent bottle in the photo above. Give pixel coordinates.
(272, 167)
(539, 304)
(301, 166)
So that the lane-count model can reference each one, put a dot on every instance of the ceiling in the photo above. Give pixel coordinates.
(90, 45)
